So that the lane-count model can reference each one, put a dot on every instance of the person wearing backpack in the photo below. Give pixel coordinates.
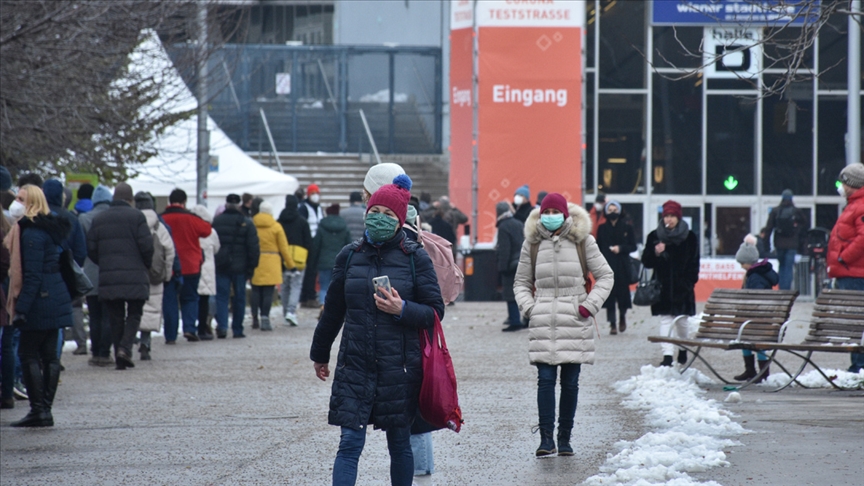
(760, 276)
(299, 243)
(161, 270)
(786, 222)
(552, 290)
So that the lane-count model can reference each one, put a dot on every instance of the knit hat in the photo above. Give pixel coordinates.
(313, 189)
(123, 192)
(101, 194)
(501, 208)
(601, 198)
(612, 203)
(747, 254)
(393, 197)
(332, 210)
(143, 200)
(853, 175)
(524, 192)
(5, 179)
(786, 195)
(673, 208)
(553, 200)
(232, 199)
(85, 191)
(265, 207)
(540, 196)
(381, 174)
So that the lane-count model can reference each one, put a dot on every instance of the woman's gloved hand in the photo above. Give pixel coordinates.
(584, 312)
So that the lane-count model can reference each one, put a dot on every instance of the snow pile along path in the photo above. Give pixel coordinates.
(812, 379)
(689, 434)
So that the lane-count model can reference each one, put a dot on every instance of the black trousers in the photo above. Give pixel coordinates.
(124, 324)
(38, 346)
(100, 328)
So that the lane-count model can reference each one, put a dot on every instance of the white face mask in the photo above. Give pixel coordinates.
(518, 200)
(16, 210)
(315, 198)
(841, 191)
(598, 207)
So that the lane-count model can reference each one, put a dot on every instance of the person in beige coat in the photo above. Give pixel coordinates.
(207, 283)
(151, 319)
(560, 310)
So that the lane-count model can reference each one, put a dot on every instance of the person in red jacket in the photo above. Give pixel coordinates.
(846, 245)
(186, 229)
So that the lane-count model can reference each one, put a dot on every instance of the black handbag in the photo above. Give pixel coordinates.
(635, 270)
(73, 276)
(648, 290)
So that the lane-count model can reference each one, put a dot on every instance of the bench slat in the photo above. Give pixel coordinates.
(839, 302)
(843, 348)
(835, 333)
(743, 319)
(852, 327)
(746, 337)
(737, 308)
(751, 302)
(859, 311)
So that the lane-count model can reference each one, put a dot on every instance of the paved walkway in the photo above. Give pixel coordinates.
(251, 412)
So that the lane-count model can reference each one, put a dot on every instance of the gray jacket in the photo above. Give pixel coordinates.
(355, 218)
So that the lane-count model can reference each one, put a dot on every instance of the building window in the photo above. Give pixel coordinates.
(787, 140)
(622, 44)
(678, 47)
(590, 156)
(731, 134)
(677, 136)
(590, 32)
(833, 48)
(621, 144)
(831, 142)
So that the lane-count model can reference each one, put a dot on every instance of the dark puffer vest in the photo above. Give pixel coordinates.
(379, 368)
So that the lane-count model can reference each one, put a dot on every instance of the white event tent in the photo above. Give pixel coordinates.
(175, 164)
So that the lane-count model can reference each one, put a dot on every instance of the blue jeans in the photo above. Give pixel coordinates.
(851, 283)
(224, 282)
(421, 448)
(171, 309)
(760, 355)
(786, 259)
(351, 445)
(547, 375)
(513, 313)
(189, 303)
(324, 278)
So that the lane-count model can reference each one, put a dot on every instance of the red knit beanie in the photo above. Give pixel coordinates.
(553, 200)
(673, 208)
(393, 197)
(313, 189)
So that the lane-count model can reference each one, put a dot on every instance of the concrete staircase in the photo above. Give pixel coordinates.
(339, 174)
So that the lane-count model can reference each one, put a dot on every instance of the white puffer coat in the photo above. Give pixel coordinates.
(558, 333)
(151, 320)
(210, 246)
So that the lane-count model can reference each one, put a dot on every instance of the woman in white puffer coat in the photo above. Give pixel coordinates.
(207, 283)
(550, 290)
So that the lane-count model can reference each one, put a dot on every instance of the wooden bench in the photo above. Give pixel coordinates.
(836, 326)
(732, 316)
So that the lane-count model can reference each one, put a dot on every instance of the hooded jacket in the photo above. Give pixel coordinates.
(379, 366)
(295, 226)
(238, 243)
(847, 240)
(209, 247)
(101, 202)
(151, 320)
(558, 333)
(44, 300)
(274, 251)
(332, 236)
(761, 276)
(187, 229)
(121, 244)
(53, 190)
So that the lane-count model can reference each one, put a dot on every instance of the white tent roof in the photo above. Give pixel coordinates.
(175, 165)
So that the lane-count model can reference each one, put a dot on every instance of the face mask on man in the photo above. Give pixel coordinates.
(380, 226)
(518, 200)
(16, 209)
(315, 198)
(598, 207)
(552, 221)
(841, 191)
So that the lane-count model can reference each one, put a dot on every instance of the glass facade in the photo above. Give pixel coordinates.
(724, 147)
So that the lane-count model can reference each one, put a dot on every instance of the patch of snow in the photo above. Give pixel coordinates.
(689, 436)
(383, 96)
(733, 397)
(813, 379)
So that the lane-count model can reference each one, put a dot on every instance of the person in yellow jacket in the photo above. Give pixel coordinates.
(268, 273)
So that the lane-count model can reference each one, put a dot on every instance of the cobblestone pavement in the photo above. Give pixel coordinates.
(250, 411)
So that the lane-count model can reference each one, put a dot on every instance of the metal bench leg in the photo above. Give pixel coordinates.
(794, 377)
(697, 355)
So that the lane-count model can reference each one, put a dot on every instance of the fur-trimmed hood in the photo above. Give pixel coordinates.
(575, 228)
(57, 228)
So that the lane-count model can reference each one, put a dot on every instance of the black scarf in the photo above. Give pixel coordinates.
(675, 236)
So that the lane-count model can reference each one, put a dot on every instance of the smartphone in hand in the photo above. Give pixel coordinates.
(381, 283)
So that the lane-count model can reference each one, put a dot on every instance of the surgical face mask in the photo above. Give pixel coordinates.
(598, 207)
(412, 214)
(315, 198)
(552, 221)
(16, 210)
(841, 191)
(380, 226)
(518, 200)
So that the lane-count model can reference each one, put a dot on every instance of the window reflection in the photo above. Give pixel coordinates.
(621, 144)
(787, 140)
(622, 44)
(677, 137)
(731, 149)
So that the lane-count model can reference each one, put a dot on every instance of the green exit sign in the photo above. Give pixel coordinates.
(730, 183)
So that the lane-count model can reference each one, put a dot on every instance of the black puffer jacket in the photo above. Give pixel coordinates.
(621, 235)
(296, 227)
(678, 271)
(238, 239)
(121, 244)
(511, 234)
(44, 300)
(379, 369)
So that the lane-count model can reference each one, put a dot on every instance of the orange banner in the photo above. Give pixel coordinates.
(461, 111)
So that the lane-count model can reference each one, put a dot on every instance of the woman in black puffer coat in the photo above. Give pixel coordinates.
(43, 305)
(379, 366)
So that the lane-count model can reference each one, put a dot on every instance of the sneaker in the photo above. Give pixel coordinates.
(291, 319)
(18, 391)
(80, 350)
(191, 337)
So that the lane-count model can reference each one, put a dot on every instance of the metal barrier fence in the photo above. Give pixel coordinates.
(312, 95)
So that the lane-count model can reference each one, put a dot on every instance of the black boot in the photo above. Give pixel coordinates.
(682, 356)
(145, 352)
(622, 324)
(547, 445)
(667, 360)
(765, 369)
(38, 416)
(613, 330)
(51, 378)
(564, 448)
(255, 324)
(749, 369)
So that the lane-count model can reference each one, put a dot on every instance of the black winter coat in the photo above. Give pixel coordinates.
(296, 227)
(761, 276)
(44, 300)
(119, 241)
(511, 234)
(621, 235)
(677, 268)
(523, 211)
(238, 239)
(379, 366)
